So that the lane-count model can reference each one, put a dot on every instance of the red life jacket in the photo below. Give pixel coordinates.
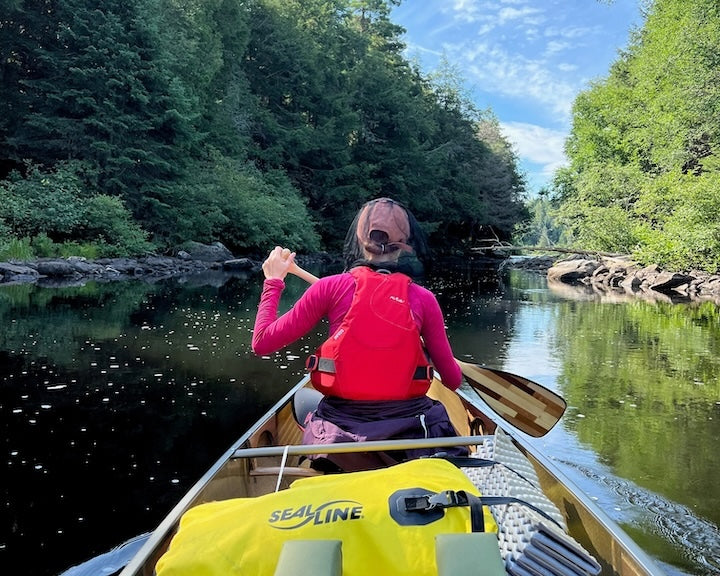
(376, 353)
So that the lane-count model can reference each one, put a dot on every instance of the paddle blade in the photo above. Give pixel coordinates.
(527, 405)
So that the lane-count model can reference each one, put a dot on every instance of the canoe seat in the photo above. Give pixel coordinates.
(305, 401)
(476, 554)
(316, 557)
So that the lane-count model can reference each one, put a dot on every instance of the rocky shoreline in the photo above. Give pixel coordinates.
(618, 277)
(615, 278)
(55, 271)
(193, 259)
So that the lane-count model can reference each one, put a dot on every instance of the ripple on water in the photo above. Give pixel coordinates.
(696, 539)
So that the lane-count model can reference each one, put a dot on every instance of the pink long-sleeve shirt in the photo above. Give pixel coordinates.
(330, 297)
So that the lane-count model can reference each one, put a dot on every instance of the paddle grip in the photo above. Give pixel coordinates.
(299, 272)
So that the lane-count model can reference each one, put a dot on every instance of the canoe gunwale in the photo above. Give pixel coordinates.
(351, 447)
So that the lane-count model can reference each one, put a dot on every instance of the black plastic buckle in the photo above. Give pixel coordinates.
(424, 373)
(427, 502)
(411, 507)
(417, 503)
(312, 362)
(443, 500)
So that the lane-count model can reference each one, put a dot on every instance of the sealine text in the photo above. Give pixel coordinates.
(334, 511)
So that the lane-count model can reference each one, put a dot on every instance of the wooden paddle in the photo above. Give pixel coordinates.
(525, 404)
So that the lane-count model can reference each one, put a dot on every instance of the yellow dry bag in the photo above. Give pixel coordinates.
(386, 519)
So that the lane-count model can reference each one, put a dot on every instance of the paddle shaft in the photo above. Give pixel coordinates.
(302, 273)
(525, 404)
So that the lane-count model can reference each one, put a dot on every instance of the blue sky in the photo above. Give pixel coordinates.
(525, 59)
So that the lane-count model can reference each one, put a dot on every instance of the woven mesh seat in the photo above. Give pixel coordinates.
(532, 533)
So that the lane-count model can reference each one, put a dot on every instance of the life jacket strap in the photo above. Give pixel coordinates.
(327, 365)
(317, 363)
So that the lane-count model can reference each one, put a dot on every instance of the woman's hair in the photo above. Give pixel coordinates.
(384, 226)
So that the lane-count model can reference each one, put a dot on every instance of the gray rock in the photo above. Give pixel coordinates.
(215, 252)
(86, 268)
(571, 271)
(13, 271)
(620, 275)
(667, 281)
(240, 264)
(56, 268)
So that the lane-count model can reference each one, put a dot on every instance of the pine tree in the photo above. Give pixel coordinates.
(97, 94)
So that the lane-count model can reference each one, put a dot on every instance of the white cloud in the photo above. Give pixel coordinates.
(574, 32)
(502, 13)
(537, 145)
(466, 10)
(567, 67)
(506, 50)
(525, 15)
(555, 46)
(496, 71)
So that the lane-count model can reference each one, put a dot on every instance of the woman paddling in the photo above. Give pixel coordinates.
(386, 330)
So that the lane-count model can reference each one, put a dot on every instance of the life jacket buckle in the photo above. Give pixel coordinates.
(424, 373)
(312, 362)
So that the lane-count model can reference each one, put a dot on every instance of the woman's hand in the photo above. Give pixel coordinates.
(278, 263)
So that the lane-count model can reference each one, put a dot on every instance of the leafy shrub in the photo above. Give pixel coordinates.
(41, 202)
(88, 251)
(263, 210)
(236, 204)
(56, 213)
(108, 224)
(688, 235)
(44, 247)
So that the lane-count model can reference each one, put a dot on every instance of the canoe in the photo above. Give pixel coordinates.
(269, 457)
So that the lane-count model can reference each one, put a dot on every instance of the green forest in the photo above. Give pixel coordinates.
(134, 125)
(644, 166)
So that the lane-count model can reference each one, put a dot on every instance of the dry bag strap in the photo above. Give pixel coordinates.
(434, 502)
(471, 462)
(327, 365)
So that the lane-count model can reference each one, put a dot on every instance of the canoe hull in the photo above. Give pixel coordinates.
(250, 466)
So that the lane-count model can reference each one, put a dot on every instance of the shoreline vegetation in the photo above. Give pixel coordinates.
(615, 278)
(264, 122)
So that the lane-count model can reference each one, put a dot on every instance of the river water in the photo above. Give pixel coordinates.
(115, 398)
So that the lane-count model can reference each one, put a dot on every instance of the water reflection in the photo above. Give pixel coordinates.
(642, 380)
(115, 398)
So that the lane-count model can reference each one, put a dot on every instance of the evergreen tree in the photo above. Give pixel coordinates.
(208, 118)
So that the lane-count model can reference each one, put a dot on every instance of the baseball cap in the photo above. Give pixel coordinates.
(383, 227)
